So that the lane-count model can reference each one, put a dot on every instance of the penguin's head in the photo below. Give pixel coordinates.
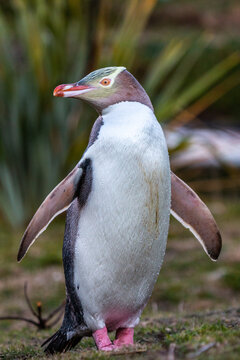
(105, 87)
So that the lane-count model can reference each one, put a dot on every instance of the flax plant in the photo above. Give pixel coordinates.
(47, 42)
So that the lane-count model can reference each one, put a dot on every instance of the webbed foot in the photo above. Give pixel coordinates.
(102, 340)
(124, 337)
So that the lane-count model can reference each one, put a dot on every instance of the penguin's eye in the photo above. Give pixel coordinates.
(105, 82)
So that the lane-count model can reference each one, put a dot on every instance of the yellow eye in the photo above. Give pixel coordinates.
(105, 82)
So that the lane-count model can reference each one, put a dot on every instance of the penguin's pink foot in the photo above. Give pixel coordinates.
(102, 340)
(124, 337)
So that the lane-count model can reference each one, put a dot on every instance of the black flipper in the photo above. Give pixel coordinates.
(69, 335)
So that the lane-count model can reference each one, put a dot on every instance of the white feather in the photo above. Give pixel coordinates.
(123, 227)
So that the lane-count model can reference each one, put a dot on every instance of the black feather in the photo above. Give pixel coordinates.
(69, 335)
(58, 342)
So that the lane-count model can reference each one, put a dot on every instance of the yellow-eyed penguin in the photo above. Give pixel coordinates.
(119, 198)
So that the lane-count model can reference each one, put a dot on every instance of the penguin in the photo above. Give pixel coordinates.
(118, 200)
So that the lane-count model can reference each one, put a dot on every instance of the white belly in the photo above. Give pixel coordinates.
(123, 227)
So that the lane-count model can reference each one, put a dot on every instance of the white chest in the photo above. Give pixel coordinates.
(123, 226)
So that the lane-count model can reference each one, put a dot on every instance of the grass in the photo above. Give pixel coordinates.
(194, 310)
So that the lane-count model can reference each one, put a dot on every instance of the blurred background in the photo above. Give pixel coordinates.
(186, 54)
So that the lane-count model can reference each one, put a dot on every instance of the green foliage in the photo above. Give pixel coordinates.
(231, 278)
(48, 42)
(36, 132)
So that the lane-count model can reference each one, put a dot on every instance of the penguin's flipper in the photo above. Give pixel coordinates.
(192, 213)
(54, 204)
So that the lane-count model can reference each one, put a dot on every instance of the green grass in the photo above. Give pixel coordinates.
(195, 301)
(153, 338)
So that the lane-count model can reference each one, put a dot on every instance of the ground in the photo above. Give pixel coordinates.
(193, 312)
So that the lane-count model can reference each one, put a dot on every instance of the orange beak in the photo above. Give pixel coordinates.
(71, 90)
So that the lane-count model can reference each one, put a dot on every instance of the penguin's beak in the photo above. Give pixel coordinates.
(71, 90)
